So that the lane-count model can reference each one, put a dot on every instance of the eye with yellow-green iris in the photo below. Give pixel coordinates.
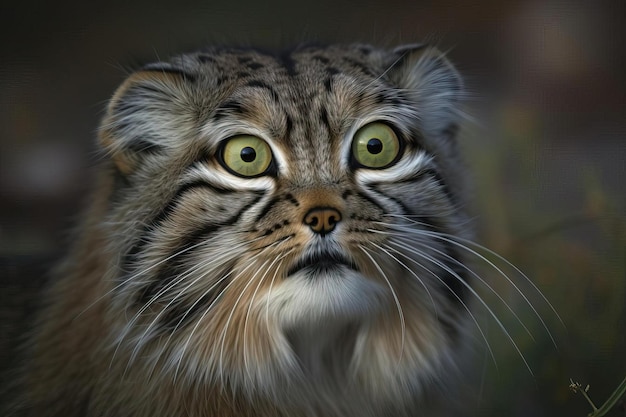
(375, 145)
(247, 155)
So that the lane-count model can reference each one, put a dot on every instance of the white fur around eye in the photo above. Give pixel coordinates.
(408, 165)
(219, 176)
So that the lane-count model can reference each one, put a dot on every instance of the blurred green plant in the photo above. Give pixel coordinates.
(608, 404)
(569, 236)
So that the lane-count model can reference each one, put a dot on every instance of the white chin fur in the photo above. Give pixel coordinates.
(307, 299)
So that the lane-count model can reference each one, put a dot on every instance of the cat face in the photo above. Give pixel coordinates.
(286, 224)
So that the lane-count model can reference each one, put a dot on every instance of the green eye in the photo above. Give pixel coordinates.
(247, 155)
(375, 145)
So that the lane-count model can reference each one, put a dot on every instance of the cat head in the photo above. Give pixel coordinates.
(285, 223)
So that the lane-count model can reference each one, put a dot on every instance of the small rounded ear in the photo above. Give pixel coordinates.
(145, 115)
(432, 82)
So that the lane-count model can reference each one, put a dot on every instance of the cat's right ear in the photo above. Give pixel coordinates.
(432, 82)
(148, 114)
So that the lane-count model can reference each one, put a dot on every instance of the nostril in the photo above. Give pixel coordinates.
(312, 219)
(322, 220)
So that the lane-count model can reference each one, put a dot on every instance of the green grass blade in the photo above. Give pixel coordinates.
(611, 401)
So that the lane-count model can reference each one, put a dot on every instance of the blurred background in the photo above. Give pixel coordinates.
(546, 152)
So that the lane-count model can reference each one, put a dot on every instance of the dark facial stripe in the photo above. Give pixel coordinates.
(289, 197)
(456, 274)
(210, 228)
(276, 227)
(140, 145)
(171, 270)
(371, 201)
(185, 188)
(454, 263)
(275, 200)
(404, 207)
(265, 86)
(267, 207)
(421, 176)
(324, 117)
(130, 258)
(182, 314)
(230, 107)
(442, 184)
(328, 82)
(288, 126)
(322, 59)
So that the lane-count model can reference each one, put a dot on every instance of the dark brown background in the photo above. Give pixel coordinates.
(548, 82)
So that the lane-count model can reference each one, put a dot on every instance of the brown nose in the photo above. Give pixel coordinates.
(322, 220)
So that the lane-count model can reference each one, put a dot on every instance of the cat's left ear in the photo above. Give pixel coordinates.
(433, 84)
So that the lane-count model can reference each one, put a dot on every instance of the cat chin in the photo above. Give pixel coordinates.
(317, 299)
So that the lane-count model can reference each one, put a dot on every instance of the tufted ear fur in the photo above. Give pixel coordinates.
(432, 82)
(149, 113)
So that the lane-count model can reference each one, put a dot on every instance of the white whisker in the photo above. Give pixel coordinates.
(474, 274)
(204, 315)
(457, 240)
(181, 277)
(467, 309)
(397, 301)
(432, 301)
(478, 297)
(245, 327)
(230, 316)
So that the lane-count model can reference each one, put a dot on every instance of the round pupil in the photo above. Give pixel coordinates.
(374, 146)
(248, 154)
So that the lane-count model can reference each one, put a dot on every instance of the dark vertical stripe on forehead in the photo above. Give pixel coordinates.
(324, 117)
(289, 63)
(265, 86)
(322, 59)
(288, 125)
(328, 82)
